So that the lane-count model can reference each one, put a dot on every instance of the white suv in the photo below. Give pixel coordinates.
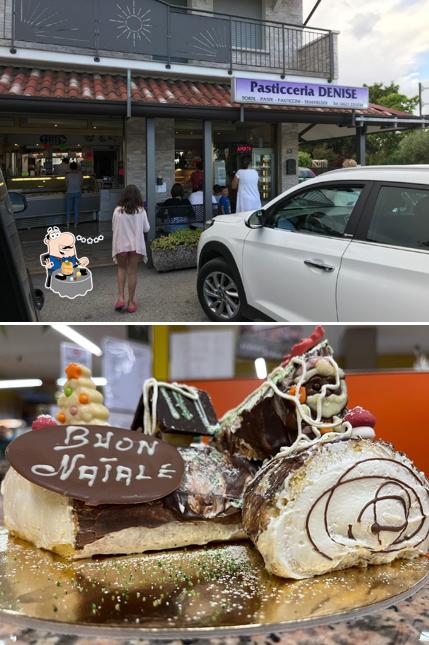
(350, 245)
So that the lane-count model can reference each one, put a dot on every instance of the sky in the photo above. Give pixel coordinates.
(380, 40)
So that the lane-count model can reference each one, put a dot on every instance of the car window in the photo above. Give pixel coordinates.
(322, 210)
(401, 217)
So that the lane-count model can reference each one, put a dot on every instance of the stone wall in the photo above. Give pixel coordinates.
(287, 141)
(290, 12)
(135, 152)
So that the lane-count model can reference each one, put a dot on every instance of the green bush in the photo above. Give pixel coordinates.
(187, 237)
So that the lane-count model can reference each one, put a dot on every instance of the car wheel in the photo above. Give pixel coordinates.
(220, 292)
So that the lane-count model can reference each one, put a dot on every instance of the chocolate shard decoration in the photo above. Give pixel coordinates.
(174, 408)
(98, 464)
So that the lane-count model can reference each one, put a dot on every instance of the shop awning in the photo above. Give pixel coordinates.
(67, 91)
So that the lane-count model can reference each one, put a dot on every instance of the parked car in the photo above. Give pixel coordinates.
(349, 245)
(304, 174)
(20, 302)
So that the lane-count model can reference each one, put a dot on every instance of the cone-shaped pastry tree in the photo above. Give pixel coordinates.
(80, 402)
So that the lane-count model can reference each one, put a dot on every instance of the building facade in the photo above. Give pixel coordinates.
(139, 91)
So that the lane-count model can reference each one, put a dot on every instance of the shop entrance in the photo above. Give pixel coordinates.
(104, 164)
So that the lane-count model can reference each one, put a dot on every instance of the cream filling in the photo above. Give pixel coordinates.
(40, 516)
(290, 551)
(138, 539)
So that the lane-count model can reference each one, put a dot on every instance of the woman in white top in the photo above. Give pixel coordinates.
(130, 223)
(246, 181)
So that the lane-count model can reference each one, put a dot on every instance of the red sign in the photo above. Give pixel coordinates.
(244, 147)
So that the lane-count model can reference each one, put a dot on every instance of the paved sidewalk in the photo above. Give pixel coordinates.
(161, 297)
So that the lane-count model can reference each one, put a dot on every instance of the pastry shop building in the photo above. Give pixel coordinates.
(124, 95)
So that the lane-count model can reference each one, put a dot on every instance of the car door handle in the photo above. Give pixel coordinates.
(317, 264)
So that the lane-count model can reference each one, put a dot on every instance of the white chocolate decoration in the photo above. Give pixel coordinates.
(80, 402)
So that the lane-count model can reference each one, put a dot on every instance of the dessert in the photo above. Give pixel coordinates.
(174, 408)
(336, 505)
(67, 267)
(305, 397)
(96, 490)
(80, 401)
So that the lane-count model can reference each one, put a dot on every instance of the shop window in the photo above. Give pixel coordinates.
(401, 217)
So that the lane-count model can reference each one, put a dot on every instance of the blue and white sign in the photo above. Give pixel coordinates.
(269, 92)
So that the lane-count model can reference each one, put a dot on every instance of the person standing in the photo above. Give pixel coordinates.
(246, 183)
(130, 223)
(63, 168)
(74, 183)
(197, 177)
(224, 203)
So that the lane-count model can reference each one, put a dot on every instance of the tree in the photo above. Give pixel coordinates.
(381, 147)
(304, 159)
(414, 148)
(390, 96)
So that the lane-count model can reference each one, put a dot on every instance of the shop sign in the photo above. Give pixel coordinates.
(53, 139)
(243, 147)
(269, 92)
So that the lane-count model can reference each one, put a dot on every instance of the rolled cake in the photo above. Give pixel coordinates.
(336, 505)
(301, 400)
(206, 507)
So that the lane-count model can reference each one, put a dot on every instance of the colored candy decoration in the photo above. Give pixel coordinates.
(68, 391)
(61, 417)
(73, 371)
(73, 410)
(83, 399)
(302, 393)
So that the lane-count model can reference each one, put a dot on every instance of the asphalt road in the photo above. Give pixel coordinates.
(161, 297)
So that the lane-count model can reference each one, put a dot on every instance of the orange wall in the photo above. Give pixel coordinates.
(398, 400)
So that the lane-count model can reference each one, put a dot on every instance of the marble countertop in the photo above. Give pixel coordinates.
(403, 624)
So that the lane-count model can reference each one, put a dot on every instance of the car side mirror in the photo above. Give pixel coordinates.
(18, 202)
(255, 220)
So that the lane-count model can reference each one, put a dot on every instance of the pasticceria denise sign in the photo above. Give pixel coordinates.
(271, 92)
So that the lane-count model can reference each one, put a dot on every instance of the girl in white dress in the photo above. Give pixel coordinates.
(130, 223)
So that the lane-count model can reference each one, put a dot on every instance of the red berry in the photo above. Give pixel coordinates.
(43, 421)
(360, 417)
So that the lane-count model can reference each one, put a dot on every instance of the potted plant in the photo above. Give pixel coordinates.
(176, 250)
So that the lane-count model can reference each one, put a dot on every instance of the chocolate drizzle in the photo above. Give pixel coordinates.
(410, 495)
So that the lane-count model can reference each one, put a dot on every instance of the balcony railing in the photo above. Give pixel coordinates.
(154, 30)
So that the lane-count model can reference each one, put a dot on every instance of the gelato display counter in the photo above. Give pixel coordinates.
(46, 200)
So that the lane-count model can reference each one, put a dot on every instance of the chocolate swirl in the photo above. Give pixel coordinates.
(392, 499)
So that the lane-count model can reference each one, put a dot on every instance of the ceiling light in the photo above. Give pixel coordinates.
(261, 368)
(21, 382)
(97, 380)
(77, 338)
(55, 125)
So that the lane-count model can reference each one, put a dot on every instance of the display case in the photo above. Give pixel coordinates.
(263, 162)
(46, 199)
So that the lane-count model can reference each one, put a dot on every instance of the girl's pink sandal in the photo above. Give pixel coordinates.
(132, 308)
(119, 305)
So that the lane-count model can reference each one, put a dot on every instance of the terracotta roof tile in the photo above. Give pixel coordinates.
(64, 84)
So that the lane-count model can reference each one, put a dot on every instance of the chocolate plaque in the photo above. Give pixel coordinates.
(178, 413)
(98, 464)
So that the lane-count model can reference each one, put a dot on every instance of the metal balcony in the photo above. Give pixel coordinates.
(153, 30)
